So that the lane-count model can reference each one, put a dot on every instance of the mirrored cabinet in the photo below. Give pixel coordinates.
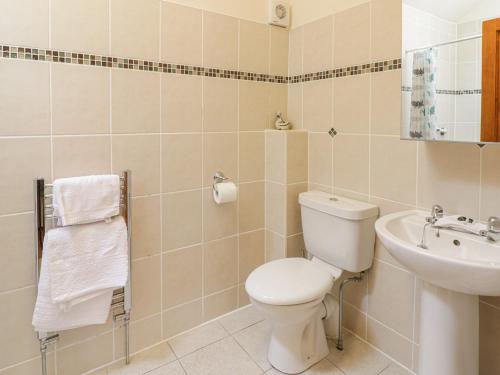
(451, 71)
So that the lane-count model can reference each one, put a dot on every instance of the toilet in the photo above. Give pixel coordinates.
(294, 293)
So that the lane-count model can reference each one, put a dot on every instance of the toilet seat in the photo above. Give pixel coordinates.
(289, 281)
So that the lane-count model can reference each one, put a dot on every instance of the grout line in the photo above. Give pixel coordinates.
(203, 137)
(162, 82)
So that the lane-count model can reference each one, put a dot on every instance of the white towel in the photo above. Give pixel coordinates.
(81, 267)
(86, 261)
(87, 199)
(452, 222)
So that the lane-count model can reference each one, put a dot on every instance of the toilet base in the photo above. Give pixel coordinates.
(298, 339)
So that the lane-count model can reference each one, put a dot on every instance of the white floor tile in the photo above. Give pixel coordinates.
(197, 338)
(221, 358)
(241, 319)
(357, 358)
(255, 341)
(145, 361)
(321, 368)
(395, 370)
(173, 368)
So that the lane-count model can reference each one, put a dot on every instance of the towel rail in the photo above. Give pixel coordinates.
(122, 298)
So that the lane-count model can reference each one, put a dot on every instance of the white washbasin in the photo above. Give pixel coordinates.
(457, 261)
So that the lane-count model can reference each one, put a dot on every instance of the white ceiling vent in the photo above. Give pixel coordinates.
(279, 13)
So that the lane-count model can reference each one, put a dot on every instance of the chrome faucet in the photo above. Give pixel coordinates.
(437, 212)
(492, 232)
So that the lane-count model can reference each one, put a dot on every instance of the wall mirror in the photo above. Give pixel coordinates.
(451, 70)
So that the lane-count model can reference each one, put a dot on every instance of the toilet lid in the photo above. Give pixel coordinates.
(289, 281)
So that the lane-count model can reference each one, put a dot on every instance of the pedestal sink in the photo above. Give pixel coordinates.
(455, 268)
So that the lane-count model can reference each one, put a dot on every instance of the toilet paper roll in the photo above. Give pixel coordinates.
(225, 192)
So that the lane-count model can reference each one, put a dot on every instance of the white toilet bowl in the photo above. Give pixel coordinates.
(289, 293)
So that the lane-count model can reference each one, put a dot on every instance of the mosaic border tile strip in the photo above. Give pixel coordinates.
(449, 92)
(37, 54)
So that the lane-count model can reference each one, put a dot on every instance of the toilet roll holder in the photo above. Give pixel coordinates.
(219, 177)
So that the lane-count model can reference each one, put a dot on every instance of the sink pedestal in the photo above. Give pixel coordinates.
(449, 332)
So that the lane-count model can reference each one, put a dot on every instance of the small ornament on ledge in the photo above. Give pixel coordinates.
(281, 124)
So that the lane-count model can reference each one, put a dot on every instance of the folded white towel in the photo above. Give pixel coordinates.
(86, 260)
(47, 316)
(466, 226)
(87, 199)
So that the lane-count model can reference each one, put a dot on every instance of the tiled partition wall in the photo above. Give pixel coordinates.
(368, 161)
(68, 114)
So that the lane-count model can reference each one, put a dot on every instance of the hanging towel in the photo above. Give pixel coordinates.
(47, 316)
(87, 199)
(423, 96)
(86, 260)
(458, 223)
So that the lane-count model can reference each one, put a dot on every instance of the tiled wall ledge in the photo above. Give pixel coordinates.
(37, 54)
(448, 92)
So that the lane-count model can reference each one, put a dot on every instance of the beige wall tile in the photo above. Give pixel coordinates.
(355, 320)
(489, 331)
(146, 294)
(254, 47)
(251, 206)
(19, 341)
(295, 105)
(386, 102)
(182, 276)
(181, 161)
(490, 184)
(220, 153)
(400, 162)
(295, 51)
(135, 29)
(318, 45)
(317, 105)
(294, 220)
(80, 99)
(81, 156)
(220, 105)
(85, 356)
(80, 25)
(275, 246)
(252, 248)
(181, 34)
(181, 103)
(143, 334)
(24, 97)
(275, 156)
(31, 367)
(16, 252)
(320, 159)
(25, 23)
(135, 103)
(351, 104)
(220, 303)
(352, 36)
(449, 175)
(275, 207)
(243, 299)
(356, 294)
(219, 220)
(279, 51)
(251, 156)
(386, 29)
(146, 227)
(220, 41)
(220, 265)
(396, 346)
(140, 154)
(182, 318)
(351, 162)
(22, 160)
(182, 219)
(390, 297)
(295, 247)
(278, 102)
(296, 156)
(253, 105)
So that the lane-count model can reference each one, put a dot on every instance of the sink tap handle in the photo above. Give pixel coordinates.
(493, 229)
(437, 212)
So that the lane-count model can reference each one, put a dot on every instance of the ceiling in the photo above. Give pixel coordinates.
(451, 10)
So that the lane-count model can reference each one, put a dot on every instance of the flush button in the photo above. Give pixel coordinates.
(333, 199)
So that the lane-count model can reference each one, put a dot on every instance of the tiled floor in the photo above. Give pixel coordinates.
(237, 345)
